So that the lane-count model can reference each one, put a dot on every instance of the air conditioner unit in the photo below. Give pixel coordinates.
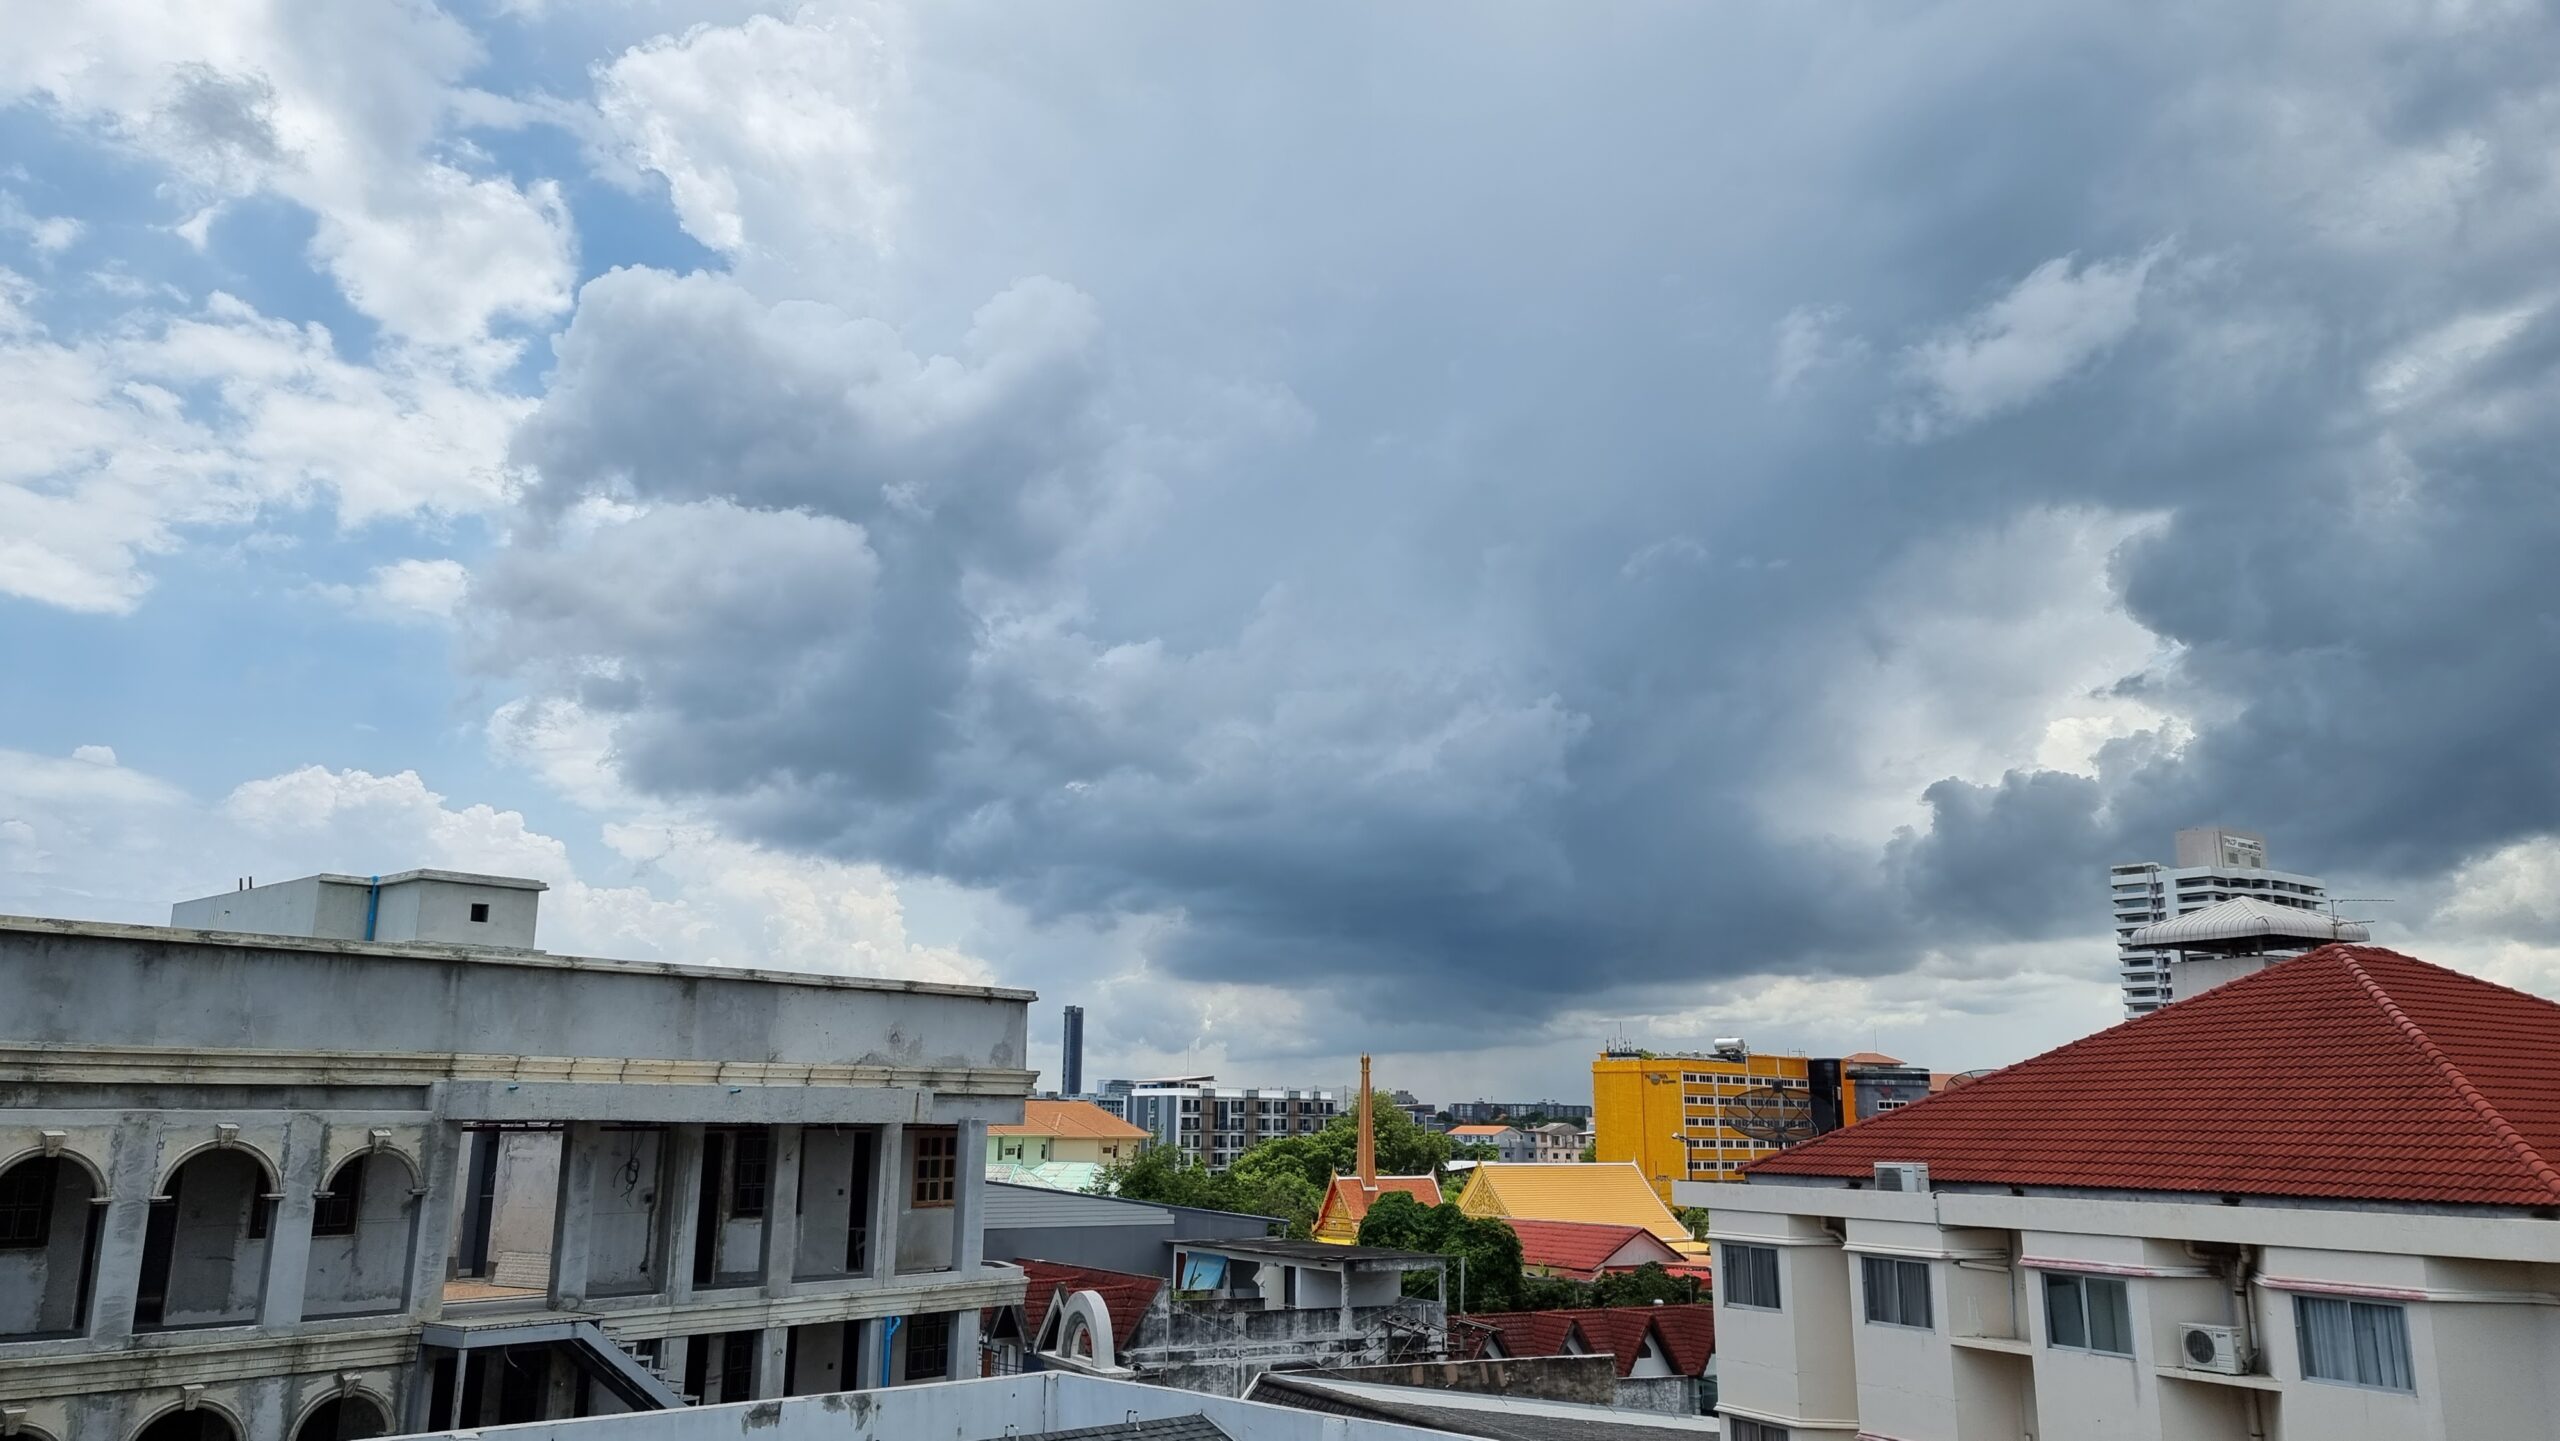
(2212, 1348)
(1902, 1175)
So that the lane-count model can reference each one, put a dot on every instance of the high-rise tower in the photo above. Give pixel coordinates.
(1071, 1055)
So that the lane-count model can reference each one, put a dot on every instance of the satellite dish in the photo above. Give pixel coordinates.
(1773, 1114)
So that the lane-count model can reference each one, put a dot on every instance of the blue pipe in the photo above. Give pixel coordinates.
(888, 1337)
(372, 905)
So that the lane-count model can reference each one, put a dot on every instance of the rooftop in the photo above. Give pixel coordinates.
(2246, 918)
(1468, 1413)
(1687, 1332)
(1080, 1119)
(1584, 1247)
(2347, 1073)
(1607, 1193)
(1309, 1253)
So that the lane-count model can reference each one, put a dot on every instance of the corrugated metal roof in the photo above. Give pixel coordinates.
(1019, 1207)
(2244, 918)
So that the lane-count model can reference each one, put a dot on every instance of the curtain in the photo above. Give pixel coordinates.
(2382, 1347)
(2327, 1330)
(2063, 1322)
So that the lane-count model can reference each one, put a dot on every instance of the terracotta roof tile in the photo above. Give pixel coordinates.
(1578, 1247)
(1125, 1296)
(2350, 1072)
(1688, 1333)
(1071, 1118)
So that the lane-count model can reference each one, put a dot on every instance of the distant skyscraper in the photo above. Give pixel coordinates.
(1071, 1063)
(2214, 863)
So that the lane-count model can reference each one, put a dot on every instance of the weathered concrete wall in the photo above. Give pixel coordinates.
(520, 1225)
(268, 1408)
(367, 1272)
(216, 1268)
(1218, 1347)
(832, 1193)
(1662, 1395)
(624, 1222)
(1581, 1380)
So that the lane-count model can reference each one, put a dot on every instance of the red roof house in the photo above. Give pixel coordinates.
(2349, 1072)
(1581, 1250)
(1125, 1296)
(1682, 1337)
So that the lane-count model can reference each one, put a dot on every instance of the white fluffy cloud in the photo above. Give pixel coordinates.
(2051, 325)
(122, 441)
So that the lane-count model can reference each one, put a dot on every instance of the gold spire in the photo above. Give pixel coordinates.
(1368, 1162)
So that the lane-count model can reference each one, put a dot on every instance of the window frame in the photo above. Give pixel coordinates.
(1868, 1269)
(1745, 1429)
(1777, 1287)
(933, 1169)
(2081, 1283)
(31, 1226)
(934, 1324)
(750, 1173)
(2356, 1309)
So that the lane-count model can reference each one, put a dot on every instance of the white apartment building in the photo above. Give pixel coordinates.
(1215, 1124)
(345, 1157)
(2311, 1204)
(2213, 864)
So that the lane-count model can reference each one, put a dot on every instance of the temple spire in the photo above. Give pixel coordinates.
(1368, 1159)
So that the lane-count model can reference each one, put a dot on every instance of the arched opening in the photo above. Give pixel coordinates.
(48, 1247)
(344, 1418)
(361, 1227)
(199, 1424)
(204, 1256)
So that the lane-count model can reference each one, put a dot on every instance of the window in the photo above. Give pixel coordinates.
(928, 1346)
(1897, 1291)
(750, 1164)
(480, 910)
(335, 1214)
(1749, 1276)
(26, 1203)
(1738, 1429)
(2087, 1313)
(737, 1365)
(936, 1168)
(2357, 1342)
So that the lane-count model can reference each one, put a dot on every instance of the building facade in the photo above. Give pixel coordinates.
(1071, 1053)
(1703, 1117)
(1215, 1124)
(269, 1187)
(2213, 864)
(2333, 1221)
(1484, 1113)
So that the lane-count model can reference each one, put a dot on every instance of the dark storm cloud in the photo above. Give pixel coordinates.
(1482, 679)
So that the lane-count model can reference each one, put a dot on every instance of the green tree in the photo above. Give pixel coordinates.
(1484, 1253)
(1643, 1286)
(1693, 1217)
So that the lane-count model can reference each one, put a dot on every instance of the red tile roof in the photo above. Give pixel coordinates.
(1580, 1247)
(1081, 1119)
(1125, 1296)
(2350, 1072)
(1688, 1333)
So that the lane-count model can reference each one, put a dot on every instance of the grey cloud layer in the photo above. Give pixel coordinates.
(1622, 362)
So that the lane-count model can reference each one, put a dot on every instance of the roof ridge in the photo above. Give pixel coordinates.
(2542, 1170)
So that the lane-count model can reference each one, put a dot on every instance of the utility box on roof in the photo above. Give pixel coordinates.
(454, 908)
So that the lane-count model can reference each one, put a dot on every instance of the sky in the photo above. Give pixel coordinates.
(1459, 532)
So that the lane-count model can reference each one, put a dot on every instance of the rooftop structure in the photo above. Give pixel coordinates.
(1347, 1199)
(1584, 1251)
(297, 1186)
(1063, 1144)
(2315, 1200)
(2214, 864)
(1598, 1193)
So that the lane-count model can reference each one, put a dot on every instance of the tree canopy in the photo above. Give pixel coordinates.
(1286, 1175)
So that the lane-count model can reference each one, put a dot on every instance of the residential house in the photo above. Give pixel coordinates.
(364, 1161)
(2313, 1201)
(1584, 1251)
(1063, 1145)
(1597, 1193)
(1556, 1143)
(1665, 1355)
(1508, 1144)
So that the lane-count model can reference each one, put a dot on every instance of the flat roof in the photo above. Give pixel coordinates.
(1308, 1252)
(493, 956)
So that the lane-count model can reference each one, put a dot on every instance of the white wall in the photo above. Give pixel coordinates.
(629, 1174)
(369, 1270)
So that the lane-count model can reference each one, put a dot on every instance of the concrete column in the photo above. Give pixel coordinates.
(573, 1223)
(305, 1164)
(773, 1354)
(132, 1174)
(782, 1212)
(964, 1343)
(1344, 1276)
(969, 1202)
(493, 1385)
(673, 1354)
(867, 1372)
(683, 1208)
(440, 1175)
(888, 1195)
(559, 1386)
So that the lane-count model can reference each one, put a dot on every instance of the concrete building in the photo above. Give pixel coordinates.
(1482, 1113)
(2309, 1202)
(1047, 1406)
(1556, 1142)
(1214, 1124)
(2213, 864)
(1071, 1054)
(1106, 1233)
(1705, 1116)
(1508, 1144)
(296, 1184)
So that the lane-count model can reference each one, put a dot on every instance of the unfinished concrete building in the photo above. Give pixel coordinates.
(386, 1168)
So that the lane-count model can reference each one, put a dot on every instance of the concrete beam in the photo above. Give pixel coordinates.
(742, 1105)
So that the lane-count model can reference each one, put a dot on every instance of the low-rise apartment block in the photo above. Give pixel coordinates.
(303, 1185)
(2310, 1204)
(1215, 1124)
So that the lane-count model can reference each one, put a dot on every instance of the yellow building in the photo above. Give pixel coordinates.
(1673, 1115)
